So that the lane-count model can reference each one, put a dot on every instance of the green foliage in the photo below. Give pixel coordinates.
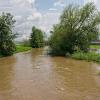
(78, 26)
(95, 46)
(21, 48)
(91, 56)
(7, 46)
(37, 38)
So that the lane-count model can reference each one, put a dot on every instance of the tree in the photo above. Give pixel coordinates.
(7, 46)
(78, 26)
(37, 38)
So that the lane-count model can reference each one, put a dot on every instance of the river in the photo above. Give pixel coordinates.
(34, 75)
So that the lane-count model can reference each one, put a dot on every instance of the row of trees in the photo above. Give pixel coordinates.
(78, 26)
(7, 36)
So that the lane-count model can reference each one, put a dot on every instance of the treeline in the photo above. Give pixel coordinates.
(7, 36)
(78, 26)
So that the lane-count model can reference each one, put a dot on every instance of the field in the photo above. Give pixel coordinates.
(21, 48)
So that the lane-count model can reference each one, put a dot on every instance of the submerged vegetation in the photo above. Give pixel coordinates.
(90, 56)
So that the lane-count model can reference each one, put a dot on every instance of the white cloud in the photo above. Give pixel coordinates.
(34, 16)
(18, 17)
(48, 20)
(27, 15)
(59, 3)
(52, 9)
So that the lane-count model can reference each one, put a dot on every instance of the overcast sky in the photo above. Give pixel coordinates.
(41, 13)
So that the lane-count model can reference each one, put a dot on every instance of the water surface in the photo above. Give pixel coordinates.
(35, 75)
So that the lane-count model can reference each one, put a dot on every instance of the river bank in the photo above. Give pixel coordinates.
(93, 55)
(90, 56)
(20, 48)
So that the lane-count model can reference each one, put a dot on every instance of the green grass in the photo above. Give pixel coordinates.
(95, 46)
(91, 56)
(21, 48)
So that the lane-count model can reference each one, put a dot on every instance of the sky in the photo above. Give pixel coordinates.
(40, 13)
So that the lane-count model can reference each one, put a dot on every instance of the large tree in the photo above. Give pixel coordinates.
(37, 38)
(77, 28)
(7, 46)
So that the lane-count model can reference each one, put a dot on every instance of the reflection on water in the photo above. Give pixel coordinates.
(6, 75)
(6, 72)
(35, 75)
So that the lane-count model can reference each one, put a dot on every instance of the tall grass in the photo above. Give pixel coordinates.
(95, 46)
(91, 56)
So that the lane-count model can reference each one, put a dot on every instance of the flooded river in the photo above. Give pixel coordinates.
(35, 75)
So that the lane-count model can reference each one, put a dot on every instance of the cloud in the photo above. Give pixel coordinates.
(48, 20)
(27, 15)
(34, 16)
(52, 9)
(59, 3)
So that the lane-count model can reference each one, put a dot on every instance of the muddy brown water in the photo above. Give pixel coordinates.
(35, 75)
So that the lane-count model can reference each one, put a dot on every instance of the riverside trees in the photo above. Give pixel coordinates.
(78, 26)
(7, 46)
(37, 38)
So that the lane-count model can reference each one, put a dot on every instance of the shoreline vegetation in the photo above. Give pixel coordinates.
(95, 47)
(21, 48)
(90, 56)
(73, 34)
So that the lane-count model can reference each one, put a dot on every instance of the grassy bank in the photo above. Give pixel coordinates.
(95, 46)
(91, 56)
(21, 48)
